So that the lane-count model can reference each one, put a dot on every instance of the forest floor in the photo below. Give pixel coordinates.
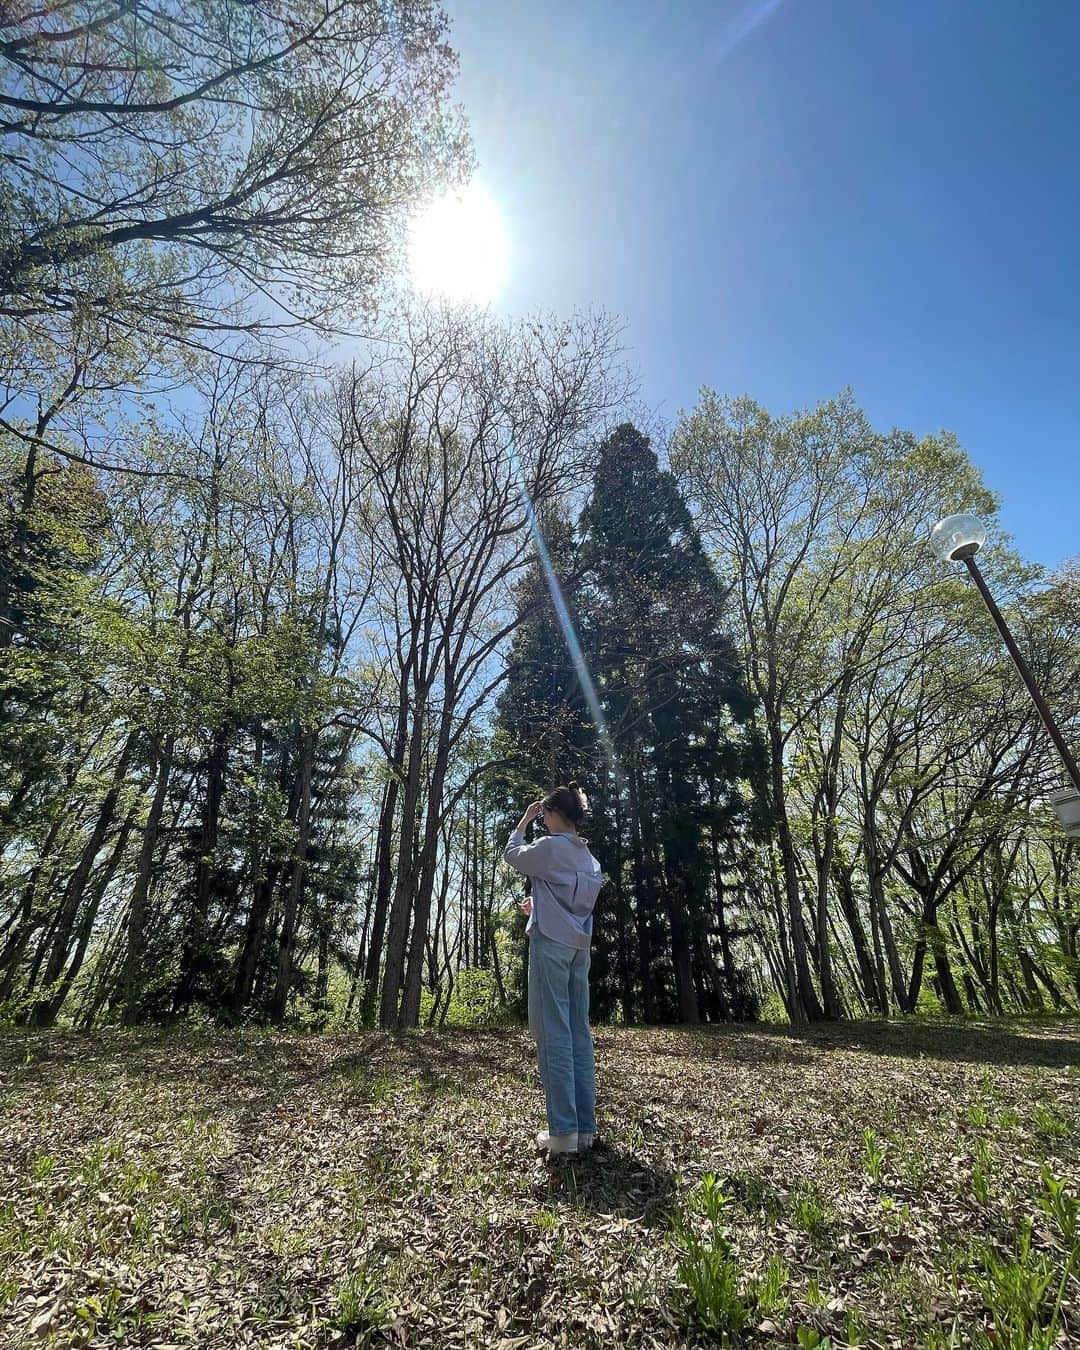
(873, 1184)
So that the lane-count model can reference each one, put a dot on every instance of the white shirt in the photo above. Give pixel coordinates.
(566, 881)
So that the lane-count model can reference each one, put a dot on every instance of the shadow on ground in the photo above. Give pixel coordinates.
(1036, 1044)
(610, 1181)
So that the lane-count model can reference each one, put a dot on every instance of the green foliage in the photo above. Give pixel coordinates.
(1062, 1207)
(1047, 1121)
(809, 1208)
(362, 1304)
(873, 1156)
(649, 612)
(361, 1085)
(771, 1291)
(42, 1167)
(1023, 1289)
(1014, 1291)
(474, 1002)
(980, 1173)
(706, 1266)
(809, 1338)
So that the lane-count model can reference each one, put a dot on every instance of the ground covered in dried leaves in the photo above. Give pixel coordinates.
(877, 1185)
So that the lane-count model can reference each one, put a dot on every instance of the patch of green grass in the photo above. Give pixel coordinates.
(705, 1264)
(812, 1294)
(362, 1304)
(896, 1219)
(633, 1134)
(915, 1170)
(978, 1116)
(355, 1201)
(96, 1165)
(952, 1339)
(771, 1290)
(362, 1087)
(546, 1220)
(9, 1227)
(809, 1338)
(1014, 1290)
(980, 1172)
(1023, 1288)
(855, 1328)
(1047, 1121)
(755, 1194)
(42, 1167)
(285, 1240)
(809, 1207)
(638, 1291)
(136, 1179)
(103, 1314)
(1063, 1210)
(873, 1157)
(380, 1168)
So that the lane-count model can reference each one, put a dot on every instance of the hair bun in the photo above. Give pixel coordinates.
(570, 800)
(575, 786)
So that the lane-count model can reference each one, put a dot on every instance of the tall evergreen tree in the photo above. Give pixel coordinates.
(677, 705)
(667, 814)
(542, 724)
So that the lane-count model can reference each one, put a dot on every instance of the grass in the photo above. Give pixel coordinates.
(873, 1155)
(876, 1185)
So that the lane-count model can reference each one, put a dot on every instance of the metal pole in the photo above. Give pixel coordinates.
(1026, 675)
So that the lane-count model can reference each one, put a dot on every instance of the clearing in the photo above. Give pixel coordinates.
(875, 1184)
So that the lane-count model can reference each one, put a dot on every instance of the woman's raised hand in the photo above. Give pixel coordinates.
(531, 812)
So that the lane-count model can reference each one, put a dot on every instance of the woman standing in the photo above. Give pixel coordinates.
(566, 880)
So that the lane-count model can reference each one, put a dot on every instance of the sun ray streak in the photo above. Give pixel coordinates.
(566, 623)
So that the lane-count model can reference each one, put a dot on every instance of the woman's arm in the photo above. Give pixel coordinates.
(529, 859)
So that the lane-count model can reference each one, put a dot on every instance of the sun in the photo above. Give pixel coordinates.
(457, 247)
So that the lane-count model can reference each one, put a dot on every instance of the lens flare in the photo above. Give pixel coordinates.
(566, 623)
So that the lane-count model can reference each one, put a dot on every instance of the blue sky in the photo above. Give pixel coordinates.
(785, 197)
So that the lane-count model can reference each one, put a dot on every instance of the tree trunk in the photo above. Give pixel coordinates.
(880, 913)
(205, 869)
(133, 973)
(807, 1005)
(44, 1014)
(291, 918)
(644, 931)
(264, 879)
(405, 888)
(874, 992)
(86, 926)
(385, 871)
(410, 1002)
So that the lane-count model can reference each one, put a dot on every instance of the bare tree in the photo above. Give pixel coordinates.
(469, 428)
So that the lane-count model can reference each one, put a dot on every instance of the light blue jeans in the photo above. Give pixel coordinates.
(559, 1023)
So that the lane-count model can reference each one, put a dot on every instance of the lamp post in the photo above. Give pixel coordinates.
(958, 539)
